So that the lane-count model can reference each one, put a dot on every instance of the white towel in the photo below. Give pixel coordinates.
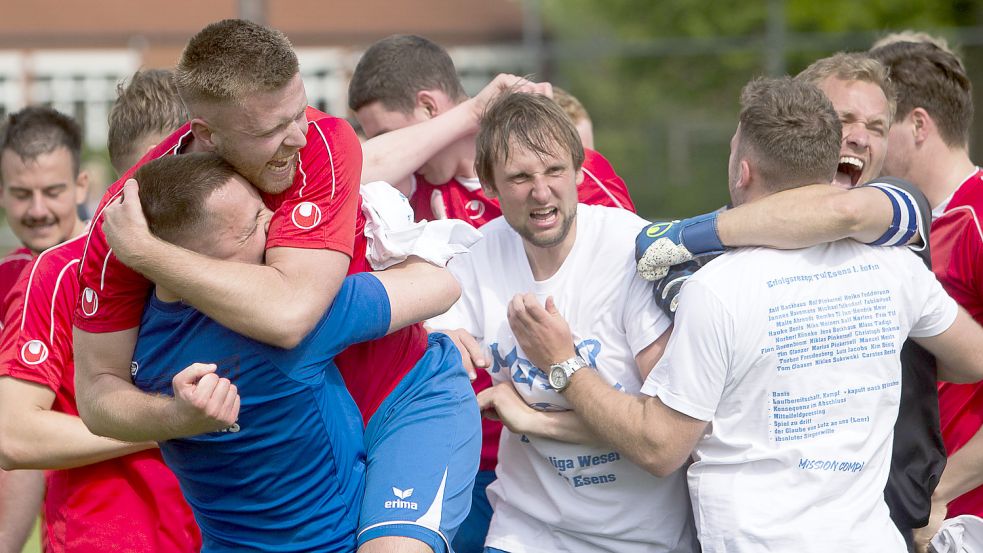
(961, 534)
(393, 236)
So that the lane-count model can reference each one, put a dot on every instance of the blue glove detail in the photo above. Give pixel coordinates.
(667, 289)
(697, 234)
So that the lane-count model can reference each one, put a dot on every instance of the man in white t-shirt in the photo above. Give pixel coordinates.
(782, 371)
(559, 487)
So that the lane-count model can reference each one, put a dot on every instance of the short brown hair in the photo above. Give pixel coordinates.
(570, 104)
(230, 59)
(932, 78)
(37, 130)
(148, 104)
(529, 121)
(173, 191)
(909, 35)
(395, 68)
(790, 129)
(853, 66)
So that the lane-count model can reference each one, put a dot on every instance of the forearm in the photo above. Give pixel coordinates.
(395, 155)
(262, 302)
(963, 471)
(807, 216)
(418, 291)
(21, 494)
(117, 409)
(562, 426)
(53, 441)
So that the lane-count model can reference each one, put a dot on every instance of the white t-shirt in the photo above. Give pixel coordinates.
(793, 357)
(554, 496)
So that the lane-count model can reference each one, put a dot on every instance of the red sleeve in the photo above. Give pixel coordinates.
(318, 211)
(113, 295)
(36, 343)
(602, 185)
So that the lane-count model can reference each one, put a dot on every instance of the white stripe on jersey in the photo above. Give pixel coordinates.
(604, 188)
(327, 147)
(16, 257)
(30, 282)
(972, 213)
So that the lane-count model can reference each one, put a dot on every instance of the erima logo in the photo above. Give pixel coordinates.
(658, 229)
(34, 352)
(401, 503)
(231, 429)
(475, 209)
(90, 302)
(306, 215)
(134, 367)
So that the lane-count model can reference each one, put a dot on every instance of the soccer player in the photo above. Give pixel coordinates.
(267, 442)
(929, 145)
(147, 110)
(782, 370)
(242, 86)
(407, 96)
(41, 188)
(559, 489)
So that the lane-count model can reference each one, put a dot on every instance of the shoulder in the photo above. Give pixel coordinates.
(611, 223)
(15, 261)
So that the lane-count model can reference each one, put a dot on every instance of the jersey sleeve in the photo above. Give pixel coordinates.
(36, 340)
(319, 210)
(911, 213)
(691, 376)
(466, 311)
(360, 312)
(112, 295)
(643, 321)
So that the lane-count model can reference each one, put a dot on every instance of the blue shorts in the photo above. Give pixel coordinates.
(422, 448)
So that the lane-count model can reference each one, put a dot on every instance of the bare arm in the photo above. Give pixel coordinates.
(112, 406)
(21, 494)
(32, 436)
(958, 351)
(417, 291)
(807, 216)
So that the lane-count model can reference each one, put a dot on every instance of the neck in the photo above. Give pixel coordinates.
(163, 294)
(544, 262)
(944, 169)
(465, 150)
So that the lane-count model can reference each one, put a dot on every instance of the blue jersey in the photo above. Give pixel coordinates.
(289, 475)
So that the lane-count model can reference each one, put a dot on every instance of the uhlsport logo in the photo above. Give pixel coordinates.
(475, 209)
(90, 302)
(658, 229)
(402, 502)
(306, 215)
(34, 352)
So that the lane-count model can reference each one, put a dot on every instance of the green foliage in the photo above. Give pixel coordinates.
(661, 80)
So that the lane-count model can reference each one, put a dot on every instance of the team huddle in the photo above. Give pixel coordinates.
(457, 335)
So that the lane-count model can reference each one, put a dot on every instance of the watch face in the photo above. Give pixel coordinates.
(558, 378)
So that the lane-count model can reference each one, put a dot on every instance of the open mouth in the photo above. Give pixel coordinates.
(848, 171)
(545, 215)
(280, 164)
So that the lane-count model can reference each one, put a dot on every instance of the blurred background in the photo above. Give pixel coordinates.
(661, 80)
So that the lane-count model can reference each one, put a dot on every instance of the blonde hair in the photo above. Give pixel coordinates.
(148, 104)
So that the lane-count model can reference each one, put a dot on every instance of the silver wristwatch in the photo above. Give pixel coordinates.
(560, 373)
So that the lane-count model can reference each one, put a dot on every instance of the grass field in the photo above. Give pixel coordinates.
(33, 544)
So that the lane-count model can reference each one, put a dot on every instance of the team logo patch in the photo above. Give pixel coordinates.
(475, 209)
(306, 215)
(90, 302)
(402, 501)
(34, 352)
(657, 230)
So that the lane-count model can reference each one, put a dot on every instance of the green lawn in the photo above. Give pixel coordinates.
(33, 544)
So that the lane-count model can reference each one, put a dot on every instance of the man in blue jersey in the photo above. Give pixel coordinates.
(266, 442)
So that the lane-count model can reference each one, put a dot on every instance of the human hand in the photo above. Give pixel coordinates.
(502, 403)
(124, 224)
(667, 288)
(203, 401)
(505, 82)
(472, 356)
(541, 332)
(664, 244)
(922, 537)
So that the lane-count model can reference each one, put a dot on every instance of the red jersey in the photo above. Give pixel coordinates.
(10, 268)
(957, 259)
(131, 503)
(463, 199)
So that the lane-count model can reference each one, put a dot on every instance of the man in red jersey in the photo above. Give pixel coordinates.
(41, 187)
(409, 84)
(243, 89)
(929, 146)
